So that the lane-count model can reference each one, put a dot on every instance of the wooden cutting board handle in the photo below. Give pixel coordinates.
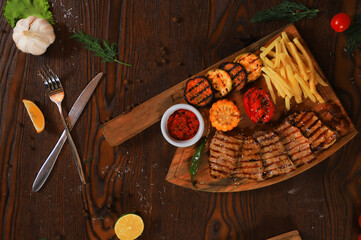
(293, 235)
(125, 126)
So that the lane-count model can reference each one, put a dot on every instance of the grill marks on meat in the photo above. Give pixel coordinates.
(319, 136)
(297, 146)
(224, 151)
(331, 115)
(274, 155)
(249, 164)
(268, 153)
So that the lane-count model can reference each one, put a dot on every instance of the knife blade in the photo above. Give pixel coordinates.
(73, 116)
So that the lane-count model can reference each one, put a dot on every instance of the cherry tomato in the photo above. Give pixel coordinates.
(359, 237)
(340, 22)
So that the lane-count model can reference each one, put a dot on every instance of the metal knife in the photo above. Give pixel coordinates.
(73, 116)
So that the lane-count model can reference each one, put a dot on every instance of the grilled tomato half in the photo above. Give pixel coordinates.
(258, 105)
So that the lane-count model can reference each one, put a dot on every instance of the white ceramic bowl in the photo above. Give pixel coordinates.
(164, 129)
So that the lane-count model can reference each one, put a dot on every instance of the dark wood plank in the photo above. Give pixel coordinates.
(166, 42)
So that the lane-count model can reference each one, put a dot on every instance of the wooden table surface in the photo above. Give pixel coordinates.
(166, 42)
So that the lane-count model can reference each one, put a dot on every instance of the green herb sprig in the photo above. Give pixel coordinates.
(286, 10)
(353, 35)
(100, 48)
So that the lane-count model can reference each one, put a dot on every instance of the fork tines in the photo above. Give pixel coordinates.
(51, 80)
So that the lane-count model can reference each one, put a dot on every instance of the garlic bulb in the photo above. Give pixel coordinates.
(33, 35)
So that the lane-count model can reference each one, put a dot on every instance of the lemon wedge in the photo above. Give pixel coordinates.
(129, 226)
(36, 116)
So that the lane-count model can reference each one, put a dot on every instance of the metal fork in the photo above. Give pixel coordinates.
(56, 94)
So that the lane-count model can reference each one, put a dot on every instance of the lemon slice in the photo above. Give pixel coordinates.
(35, 114)
(129, 227)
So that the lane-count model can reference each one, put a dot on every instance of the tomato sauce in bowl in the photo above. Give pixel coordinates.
(182, 125)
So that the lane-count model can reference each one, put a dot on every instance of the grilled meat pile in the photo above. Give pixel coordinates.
(270, 153)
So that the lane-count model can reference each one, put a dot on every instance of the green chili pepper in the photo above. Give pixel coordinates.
(196, 159)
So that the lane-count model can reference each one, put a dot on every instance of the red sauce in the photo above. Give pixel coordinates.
(182, 125)
(258, 105)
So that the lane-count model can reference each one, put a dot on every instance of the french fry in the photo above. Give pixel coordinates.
(271, 53)
(281, 81)
(285, 37)
(292, 64)
(289, 69)
(320, 80)
(307, 57)
(271, 46)
(312, 83)
(319, 98)
(283, 73)
(295, 85)
(270, 88)
(287, 103)
(305, 87)
(266, 61)
(296, 56)
(275, 83)
(283, 46)
(277, 63)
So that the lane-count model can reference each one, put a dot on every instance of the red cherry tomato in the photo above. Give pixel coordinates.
(340, 22)
(359, 237)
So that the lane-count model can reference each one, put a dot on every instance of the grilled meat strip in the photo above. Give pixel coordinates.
(274, 155)
(297, 146)
(320, 136)
(224, 151)
(249, 164)
(331, 115)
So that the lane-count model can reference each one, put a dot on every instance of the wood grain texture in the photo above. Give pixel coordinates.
(166, 42)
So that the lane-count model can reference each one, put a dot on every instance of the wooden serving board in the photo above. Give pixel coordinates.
(178, 172)
(123, 127)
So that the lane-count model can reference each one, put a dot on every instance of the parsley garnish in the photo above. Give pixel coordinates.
(100, 48)
(353, 34)
(286, 10)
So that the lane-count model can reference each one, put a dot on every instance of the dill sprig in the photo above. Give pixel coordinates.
(353, 35)
(100, 48)
(286, 10)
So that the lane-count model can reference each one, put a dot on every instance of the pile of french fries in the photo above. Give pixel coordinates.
(289, 68)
